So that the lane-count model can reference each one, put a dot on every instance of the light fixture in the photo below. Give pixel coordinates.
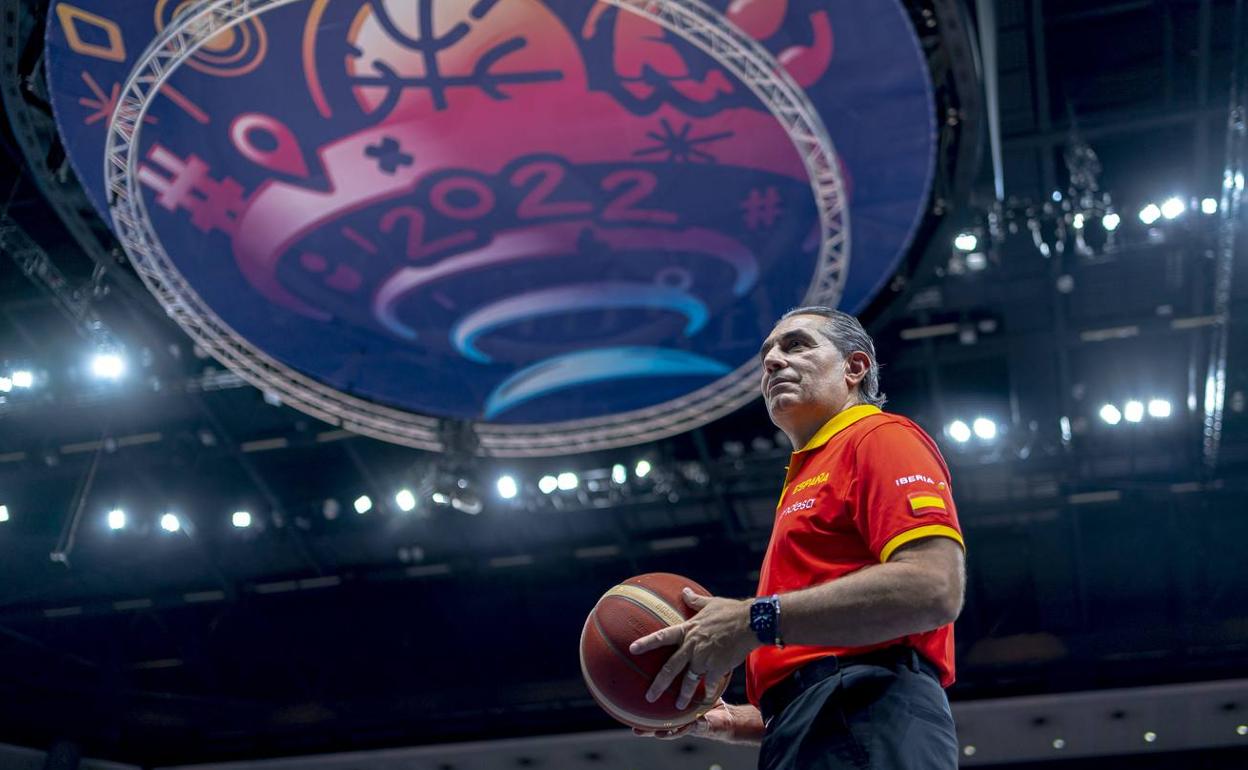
(1150, 213)
(1172, 208)
(4, 513)
(965, 242)
(405, 500)
(108, 366)
(1209, 206)
(1059, 743)
(116, 519)
(548, 484)
(438, 498)
(1133, 411)
(959, 431)
(1159, 408)
(567, 481)
(1241, 729)
(363, 504)
(968, 750)
(619, 474)
(1150, 736)
(241, 519)
(1078, 221)
(1111, 221)
(169, 522)
(507, 487)
(1110, 414)
(984, 428)
(23, 378)
(643, 469)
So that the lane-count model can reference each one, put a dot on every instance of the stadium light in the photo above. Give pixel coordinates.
(1133, 411)
(1173, 208)
(548, 484)
(984, 428)
(1159, 408)
(169, 522)
(363, 504)
(405, 500)
(116, 519)
(507, 487)
(567, 481)
(1110, 414)
(643, 469)
(108, 366)
(1150, 213)
(1111, 221)
(959, 431)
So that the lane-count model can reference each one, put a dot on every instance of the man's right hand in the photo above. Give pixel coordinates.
(729, 724)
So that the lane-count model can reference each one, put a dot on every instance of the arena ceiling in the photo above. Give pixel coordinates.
(1099, 555)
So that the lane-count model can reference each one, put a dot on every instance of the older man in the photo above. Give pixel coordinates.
(849, 643)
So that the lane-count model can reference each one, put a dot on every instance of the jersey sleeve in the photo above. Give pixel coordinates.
(903, 490)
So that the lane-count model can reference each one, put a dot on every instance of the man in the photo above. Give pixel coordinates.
(850, 642)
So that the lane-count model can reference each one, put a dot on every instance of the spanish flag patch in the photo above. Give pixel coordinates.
(922, 503)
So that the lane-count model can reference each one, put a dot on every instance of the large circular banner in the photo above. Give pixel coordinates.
(570, 223)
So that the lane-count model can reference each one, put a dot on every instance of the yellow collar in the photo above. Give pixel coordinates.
(838, 423)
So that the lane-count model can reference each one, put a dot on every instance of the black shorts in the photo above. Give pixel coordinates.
(887, 711)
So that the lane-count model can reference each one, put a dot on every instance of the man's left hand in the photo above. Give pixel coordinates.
(710, 644)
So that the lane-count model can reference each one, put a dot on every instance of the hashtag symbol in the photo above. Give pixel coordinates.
(762, 209)
(388, 155)
(214, 205)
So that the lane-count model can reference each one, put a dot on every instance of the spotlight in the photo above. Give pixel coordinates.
(1111, 221)
(108, 366)
(1150, 213)
(548, 484)
(984, 428)
(6, 384)
(363, 504)
(1110, 414)
(567, 481)
(643, 469)
(116, 519)
(1159, 408)
(4, 513)
(507, 488)
(169, 522)
(405, 500)
(1172, 208)
(966, 242)
(23, 379)
(959, 431)
(241, 519)
(1133, 411)
(619, 474)
(1207, 206)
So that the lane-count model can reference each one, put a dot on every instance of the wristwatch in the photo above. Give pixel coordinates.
(765, 619)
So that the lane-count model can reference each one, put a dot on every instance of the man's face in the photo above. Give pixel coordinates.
(803, 372)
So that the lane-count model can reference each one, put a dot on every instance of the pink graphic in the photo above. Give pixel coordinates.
(214, 205)
(285, 157)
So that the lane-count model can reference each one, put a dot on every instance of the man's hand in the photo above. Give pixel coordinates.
(710, 645)
(725, 723)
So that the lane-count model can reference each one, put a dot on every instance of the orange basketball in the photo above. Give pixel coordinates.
(618, 679)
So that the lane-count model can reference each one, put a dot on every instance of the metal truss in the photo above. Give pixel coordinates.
(692, 20)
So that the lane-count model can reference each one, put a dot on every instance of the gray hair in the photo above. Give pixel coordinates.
(847, 334)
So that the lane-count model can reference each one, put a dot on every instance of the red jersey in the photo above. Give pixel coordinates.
(866, 484)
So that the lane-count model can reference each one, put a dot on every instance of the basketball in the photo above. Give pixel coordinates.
(618, 679)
